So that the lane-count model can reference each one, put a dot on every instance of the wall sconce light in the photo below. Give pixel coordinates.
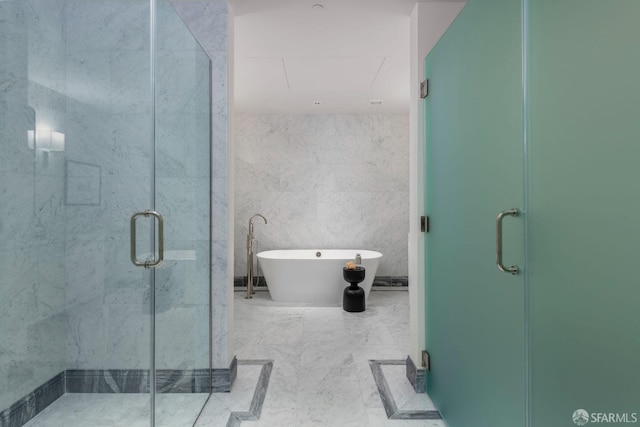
(45, 140)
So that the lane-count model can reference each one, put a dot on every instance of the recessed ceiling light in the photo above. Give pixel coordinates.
(317, 6)
(375, 102)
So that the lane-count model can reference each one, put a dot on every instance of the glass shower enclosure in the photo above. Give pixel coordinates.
(533, 106)
(104, 117)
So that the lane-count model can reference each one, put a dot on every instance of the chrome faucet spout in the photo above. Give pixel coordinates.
(251, 222)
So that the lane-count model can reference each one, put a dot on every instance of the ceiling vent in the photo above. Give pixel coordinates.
(375, 102)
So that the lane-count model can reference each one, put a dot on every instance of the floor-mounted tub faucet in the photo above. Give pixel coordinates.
(250, 242)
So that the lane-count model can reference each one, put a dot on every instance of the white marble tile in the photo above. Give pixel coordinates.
(98, 409)
(220, 405)
(172, 34)
(321, 374)
(182, 82)
(91, 77)
(128, 336)
(403, 393)
(215, 413)
(182, 332)
(377, 418)
(88, 81)
(17, 212)
(352, 169)
(239, 399)
(107, 25)
(131, 92)
(276, 417)
(207, 21)
(86, 337)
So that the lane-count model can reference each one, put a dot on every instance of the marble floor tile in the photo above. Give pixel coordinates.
(120, 409)
(378, 418)
(403, 393)
(320, 374)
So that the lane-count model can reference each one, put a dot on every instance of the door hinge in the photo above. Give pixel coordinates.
(424, 89)
(426, 360)
(424, 224)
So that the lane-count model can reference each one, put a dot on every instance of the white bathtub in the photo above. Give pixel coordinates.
(300, 276)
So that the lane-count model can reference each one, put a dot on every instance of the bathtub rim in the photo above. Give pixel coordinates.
(349, 254)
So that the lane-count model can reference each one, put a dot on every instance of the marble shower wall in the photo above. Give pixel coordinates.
(69, 296)
(324, 181)
(32, 291)
(110, 128)
(208, 22)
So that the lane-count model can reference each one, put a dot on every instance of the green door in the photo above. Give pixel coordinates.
(559, 343)
(584, 232)
(475, 313)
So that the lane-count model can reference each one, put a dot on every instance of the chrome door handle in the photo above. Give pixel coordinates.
(510, 212)
(148, 263)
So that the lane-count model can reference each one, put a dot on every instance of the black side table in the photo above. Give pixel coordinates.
(353, 297)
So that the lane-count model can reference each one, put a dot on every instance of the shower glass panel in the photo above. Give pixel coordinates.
(475, 313)
(584, 62)
(75, 159)
(36, 287)
(85, 142)
(182, 194)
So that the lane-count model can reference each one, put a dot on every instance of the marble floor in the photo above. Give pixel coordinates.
(319, 374)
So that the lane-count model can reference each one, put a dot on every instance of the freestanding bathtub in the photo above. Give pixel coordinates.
(313, 276)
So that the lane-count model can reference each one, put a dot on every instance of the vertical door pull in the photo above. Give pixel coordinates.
(153, 262)
(510, 212)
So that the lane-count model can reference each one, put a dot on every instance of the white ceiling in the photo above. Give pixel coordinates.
(288, 56)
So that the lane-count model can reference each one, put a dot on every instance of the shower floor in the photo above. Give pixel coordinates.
(119, 410)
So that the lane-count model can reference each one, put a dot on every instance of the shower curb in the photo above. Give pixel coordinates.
(389, 403)
(117, 381)
(255, 409)
(33, 403)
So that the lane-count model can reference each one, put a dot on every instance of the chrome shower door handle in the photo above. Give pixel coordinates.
(510, 212)
(134, 258)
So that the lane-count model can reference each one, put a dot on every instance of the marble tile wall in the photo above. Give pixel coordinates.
(324, 181)
(110, 126)
(32, 85)
(71, 299)
(208, 22)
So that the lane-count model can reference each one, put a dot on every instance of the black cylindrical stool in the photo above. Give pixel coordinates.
(353, 297)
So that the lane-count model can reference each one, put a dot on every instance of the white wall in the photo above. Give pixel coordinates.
(428, 22)
(324, 181)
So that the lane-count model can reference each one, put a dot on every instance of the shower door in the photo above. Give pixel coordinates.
(557, 344)
(584, 286)
(104, 113)
(474, 312)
